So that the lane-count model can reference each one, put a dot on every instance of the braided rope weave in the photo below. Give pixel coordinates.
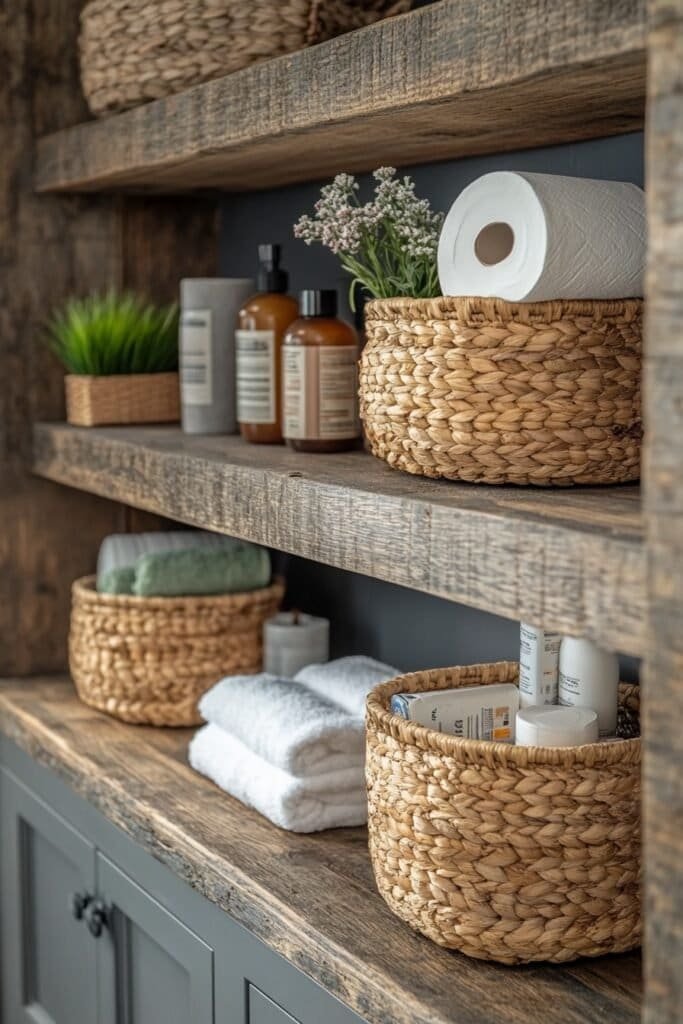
(149, 659)
(505, 853)
(133, 51)
(496, 392)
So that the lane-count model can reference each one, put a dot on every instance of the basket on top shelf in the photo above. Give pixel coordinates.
(496, 392)
(149, 659)
(133, 51)
(506, 853)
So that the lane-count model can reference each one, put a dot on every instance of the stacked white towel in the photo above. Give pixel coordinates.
(292, 753)
(347, 681)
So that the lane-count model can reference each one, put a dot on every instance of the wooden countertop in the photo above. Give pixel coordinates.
(310, 898)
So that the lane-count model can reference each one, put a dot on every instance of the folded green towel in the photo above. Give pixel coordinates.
(117, 581)
(236, 567)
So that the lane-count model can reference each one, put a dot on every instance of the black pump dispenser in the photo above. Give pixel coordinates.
(318, 303)
(270, 278)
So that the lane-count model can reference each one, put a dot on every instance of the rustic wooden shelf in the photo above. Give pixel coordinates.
(310, 897)
(572, 559)
(456, 78)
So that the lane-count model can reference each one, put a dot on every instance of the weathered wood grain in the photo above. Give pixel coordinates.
(572, 560)
(663, 675)
(311, 898)
(455, 78)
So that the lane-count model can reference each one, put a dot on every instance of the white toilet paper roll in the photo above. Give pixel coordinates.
(532, 237)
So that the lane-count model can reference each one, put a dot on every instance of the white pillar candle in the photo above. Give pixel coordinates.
(555, 726)
(292, 640)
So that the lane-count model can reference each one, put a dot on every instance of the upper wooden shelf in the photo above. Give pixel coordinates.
(571, 560)
(456, 78)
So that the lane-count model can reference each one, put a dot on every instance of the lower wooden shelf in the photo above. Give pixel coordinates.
(311, 898)
(572, 560)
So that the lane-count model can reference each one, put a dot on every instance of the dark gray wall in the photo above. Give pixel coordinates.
(398, 625)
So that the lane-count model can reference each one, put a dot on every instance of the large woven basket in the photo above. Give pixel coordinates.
(149, 659)
(138, 50)
(505, 853)
(122, 398)
(497, 392)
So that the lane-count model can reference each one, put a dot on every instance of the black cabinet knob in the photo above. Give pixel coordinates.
(79, 902)
(96, 918)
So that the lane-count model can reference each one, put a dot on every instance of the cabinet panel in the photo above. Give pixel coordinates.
(152, 968)
(263, 1010)
(49, 957)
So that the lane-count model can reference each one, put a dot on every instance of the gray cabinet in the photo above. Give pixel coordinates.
(95, 931)
(49, 958)
(153, 970)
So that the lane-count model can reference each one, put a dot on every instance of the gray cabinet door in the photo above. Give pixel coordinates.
(263, 1010)
(48, 956)
(151, 968)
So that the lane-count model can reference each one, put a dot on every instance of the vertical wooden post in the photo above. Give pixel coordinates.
(50, 248)
(663, 676)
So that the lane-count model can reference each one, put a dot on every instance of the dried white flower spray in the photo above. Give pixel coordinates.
(388, 244)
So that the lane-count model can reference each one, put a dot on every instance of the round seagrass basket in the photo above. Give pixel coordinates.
(149, 659)
(133, 51)
(505, 853)
(497, 392)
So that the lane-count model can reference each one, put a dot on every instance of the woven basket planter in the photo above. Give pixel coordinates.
(149, 659)
(122, 398)
(497, 392)
(505, 853)
(133, 51)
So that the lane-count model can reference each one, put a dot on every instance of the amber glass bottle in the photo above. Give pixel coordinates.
(320, 377)
(261, 325)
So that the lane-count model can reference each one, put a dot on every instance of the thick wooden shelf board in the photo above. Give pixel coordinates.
(571, 560)
(311, 898)
(456, 78)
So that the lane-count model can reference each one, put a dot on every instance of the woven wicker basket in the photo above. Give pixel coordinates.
(505, 853)
(497, 392)
(133, 51)
(122, 398)
(149, 659)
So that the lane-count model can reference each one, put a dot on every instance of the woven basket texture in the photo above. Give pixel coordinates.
(133, 51)
(149, 659)
(122, 398)
(505, 853)
(496, 392)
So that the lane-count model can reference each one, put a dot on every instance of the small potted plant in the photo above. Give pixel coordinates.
(121, 357)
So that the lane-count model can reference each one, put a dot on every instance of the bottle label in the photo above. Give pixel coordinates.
(255, 354)
(320, 392)
(570, 690)
(538, 665)
(196, 357)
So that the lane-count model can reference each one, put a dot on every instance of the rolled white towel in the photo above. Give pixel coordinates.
(329, 800)
(347, 681)
(286, 723)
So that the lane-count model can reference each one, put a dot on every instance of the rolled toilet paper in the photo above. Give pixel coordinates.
(533, 237)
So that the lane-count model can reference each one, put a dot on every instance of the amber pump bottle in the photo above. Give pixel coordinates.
(261, 324)
(320, 377)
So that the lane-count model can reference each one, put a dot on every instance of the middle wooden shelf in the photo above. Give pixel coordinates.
(571, 560)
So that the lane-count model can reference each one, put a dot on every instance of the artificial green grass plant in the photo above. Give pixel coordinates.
(115, 333)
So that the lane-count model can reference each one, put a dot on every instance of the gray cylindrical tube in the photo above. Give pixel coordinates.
(208, 317)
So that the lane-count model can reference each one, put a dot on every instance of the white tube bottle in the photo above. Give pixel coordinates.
(589, 678)
(539, 652)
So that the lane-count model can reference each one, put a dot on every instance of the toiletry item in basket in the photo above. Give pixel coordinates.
(589, 678)
(539, 656)
(469, 712)
(555, 726)
(117, 581)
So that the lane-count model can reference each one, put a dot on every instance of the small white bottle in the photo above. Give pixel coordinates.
(589, 678)
(539, 654)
